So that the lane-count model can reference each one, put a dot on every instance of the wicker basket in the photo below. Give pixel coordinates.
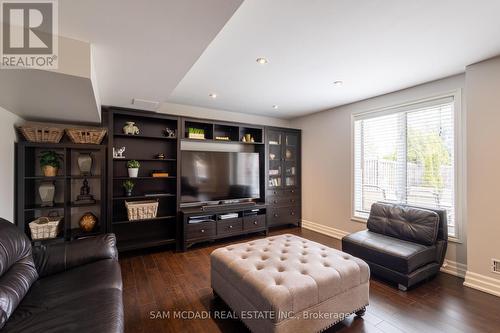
(42, 133)
(141, 210)
(45, 227)
(86, 135)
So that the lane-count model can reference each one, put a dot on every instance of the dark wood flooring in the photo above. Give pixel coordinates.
(159, 281)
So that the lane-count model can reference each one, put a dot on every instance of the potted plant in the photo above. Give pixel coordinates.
(133, 168)
(128, 185)
(50, 162)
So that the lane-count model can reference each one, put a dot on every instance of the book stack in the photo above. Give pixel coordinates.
(159, 173)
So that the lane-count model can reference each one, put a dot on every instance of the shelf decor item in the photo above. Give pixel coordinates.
(141, 210)
(45, 227)
(222, 138)
(50, 162)
(47, 192)
(160, 156)
(87, 222)
(159, 173)
(133, 168)
(130, 128)
(196, 133)
(128, 185)
(46, 134)
(169, 133)
(118, 153)
(84, 198)
(85, 163)
(90, 135)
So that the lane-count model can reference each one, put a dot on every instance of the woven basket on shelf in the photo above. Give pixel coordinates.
(141, 210)
(45, 227)
(42, 133)
(86, 135)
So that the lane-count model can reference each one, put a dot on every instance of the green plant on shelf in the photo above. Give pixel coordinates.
(192, 130)
(50, 158)
(133, 164)
(128, 185)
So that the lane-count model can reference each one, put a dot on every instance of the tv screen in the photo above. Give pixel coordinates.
(208, 176)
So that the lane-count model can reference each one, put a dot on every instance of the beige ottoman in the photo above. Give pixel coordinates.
(289, 284)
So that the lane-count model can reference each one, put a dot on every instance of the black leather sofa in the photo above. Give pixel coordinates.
(403, 244)
(65, 287)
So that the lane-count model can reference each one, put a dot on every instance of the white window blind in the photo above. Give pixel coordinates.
(406, 155)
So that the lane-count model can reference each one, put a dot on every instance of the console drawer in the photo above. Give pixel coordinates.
(229, 226)
(283, 201)
(200, 231)
(254, 222)
(283, 215)
(291, 192)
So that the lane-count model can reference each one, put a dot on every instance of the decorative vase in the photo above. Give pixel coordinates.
(49, 171)
(47, 191)
(133, 172)
(128, 193)
(87, 222)
(130, 128)
(85, 163)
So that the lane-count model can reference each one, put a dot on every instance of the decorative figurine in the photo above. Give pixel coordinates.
(47, 191)
(130, 128)
(160, 156)
(118, 153)
(87, 222)
(84, 197)
(169, 133)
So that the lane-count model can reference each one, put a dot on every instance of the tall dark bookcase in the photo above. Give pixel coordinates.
(67, 183)
(143, 147)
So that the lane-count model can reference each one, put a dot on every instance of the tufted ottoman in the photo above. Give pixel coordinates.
(289, 284)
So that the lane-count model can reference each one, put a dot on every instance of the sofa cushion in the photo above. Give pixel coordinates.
(404, 222)
(399, 255)
(84, 299)
(17, 269)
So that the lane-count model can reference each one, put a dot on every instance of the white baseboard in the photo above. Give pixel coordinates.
(454, 268)
(483, 283)
(323, 229)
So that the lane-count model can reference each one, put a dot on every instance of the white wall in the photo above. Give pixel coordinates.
(8, 136)
(326, 160)
(483, 166)
(200, 112)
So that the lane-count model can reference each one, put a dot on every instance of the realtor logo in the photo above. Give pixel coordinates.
(29, 34)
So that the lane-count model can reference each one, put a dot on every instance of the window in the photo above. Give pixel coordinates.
(407, 155)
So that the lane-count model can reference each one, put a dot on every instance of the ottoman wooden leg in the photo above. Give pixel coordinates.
(361, 313)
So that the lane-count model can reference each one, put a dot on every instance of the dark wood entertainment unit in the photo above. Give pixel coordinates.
(279, 173)
(201, 225)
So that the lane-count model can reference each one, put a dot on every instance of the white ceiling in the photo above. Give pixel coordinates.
(374, 46)
(142, 49)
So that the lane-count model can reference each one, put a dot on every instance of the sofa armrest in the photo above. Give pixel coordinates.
(55, 258)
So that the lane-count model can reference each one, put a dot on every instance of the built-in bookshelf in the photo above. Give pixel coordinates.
(156, 149)
(67, 185)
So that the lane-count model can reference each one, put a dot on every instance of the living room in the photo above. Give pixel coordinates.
(262, 166)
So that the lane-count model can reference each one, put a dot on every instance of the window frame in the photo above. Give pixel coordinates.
(459, 158)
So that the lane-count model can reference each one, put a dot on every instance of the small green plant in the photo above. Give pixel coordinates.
(193, 130)
(128, 185)
(133, 164)
(50, 158)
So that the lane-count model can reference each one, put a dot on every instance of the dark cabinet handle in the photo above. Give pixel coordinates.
(293, 191)
(292, 213)
(255, 222)
(230, 227)
(292, 200)
(275, 192)
(275, 215)
(275, 201)
(202, 230)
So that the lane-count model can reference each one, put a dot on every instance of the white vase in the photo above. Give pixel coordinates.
(47, 192)
(85, 163)
(133, 172)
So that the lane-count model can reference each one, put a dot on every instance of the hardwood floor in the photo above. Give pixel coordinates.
(158, 282)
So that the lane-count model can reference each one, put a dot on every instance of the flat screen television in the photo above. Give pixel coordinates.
(211, 177)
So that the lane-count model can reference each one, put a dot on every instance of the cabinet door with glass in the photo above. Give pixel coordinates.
(290, 159)
(275, 140)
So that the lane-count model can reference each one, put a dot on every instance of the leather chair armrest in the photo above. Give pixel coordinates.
(56, 258)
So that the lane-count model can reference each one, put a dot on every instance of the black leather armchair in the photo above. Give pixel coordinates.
(65, 287)
(403, 244)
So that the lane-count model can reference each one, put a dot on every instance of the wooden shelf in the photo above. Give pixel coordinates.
(156, 219)
(144, 159)
(77, 233)
(140, 136)
(135, 244)
(159, 195)
(97, 203)
(57, 205)
(139, 178)
(45, 178)
(222, 141)
(82, 177)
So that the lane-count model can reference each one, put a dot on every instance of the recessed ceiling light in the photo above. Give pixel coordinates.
(275, 106)
(262, 61)
(212, 95)
(338, 83)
